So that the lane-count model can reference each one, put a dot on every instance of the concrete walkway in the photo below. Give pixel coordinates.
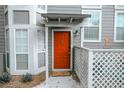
(60, 82)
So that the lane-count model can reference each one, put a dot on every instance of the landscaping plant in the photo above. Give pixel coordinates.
(27, 77)
(6, 77)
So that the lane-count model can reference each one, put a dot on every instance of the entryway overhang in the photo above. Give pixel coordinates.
(52, 19)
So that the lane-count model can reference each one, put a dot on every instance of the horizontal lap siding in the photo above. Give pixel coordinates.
(69, 9)
(2, 37)
(2, 32)
(107, 29)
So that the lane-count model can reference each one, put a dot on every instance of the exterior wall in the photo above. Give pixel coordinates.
(64, 9)
(2, 38)
(2, 32)
(108, 12)
(32, 28)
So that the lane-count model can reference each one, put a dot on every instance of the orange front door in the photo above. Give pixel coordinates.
(61, 50)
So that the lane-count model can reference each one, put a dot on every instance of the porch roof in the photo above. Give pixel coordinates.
(64, 18)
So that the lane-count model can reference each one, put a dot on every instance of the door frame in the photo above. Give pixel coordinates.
(71, 46)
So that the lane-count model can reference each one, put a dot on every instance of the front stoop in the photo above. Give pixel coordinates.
(60, 82)
(60, 73)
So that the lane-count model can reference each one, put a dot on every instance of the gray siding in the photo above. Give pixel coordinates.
(2, 32)
(2, 38)
(65, 9)
(108, 12)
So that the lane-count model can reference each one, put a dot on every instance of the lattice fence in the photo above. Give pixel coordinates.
(105, 69)
(108, 69)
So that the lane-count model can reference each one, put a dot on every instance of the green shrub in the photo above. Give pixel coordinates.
(6, 77)
(26, 78)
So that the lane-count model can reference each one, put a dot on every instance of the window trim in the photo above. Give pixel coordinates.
(100, 6)
(21, 52)
(115, 30)
(100, 26)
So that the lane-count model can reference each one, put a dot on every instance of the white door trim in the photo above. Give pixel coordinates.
(71, 46)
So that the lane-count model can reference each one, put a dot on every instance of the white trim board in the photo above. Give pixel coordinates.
(71, 44)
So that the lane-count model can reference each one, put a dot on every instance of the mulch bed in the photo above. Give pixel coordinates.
(16, 82)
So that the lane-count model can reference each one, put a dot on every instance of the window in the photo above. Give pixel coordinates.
(41, 40)
(41, 60)
(41, 47)
(21, 61)
(119, 26)
(21, 49)
(21, 17)
(91, 26)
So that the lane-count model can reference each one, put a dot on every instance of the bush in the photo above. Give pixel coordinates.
(6, 77)
(27, 77)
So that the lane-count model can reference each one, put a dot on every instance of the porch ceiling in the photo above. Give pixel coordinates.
(64, 18)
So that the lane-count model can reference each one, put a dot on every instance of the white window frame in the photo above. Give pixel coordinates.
(100, 6)
(99, 26)
(115, 30)
(25, 70)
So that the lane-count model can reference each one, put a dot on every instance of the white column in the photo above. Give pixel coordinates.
(47, 69)
(90, 61)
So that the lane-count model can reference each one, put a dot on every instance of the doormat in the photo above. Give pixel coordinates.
(60, 73)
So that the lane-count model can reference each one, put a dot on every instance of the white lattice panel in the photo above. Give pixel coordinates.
(108, 69)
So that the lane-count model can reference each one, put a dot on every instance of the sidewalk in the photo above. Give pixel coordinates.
(60, 82)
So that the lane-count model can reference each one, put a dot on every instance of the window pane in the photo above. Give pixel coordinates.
(120, 33)
(21, 61)
(41, 60)
(21, 17)
(91, 33)
(120, 20)
(41, 40)
(94, 19)
(21, 40)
